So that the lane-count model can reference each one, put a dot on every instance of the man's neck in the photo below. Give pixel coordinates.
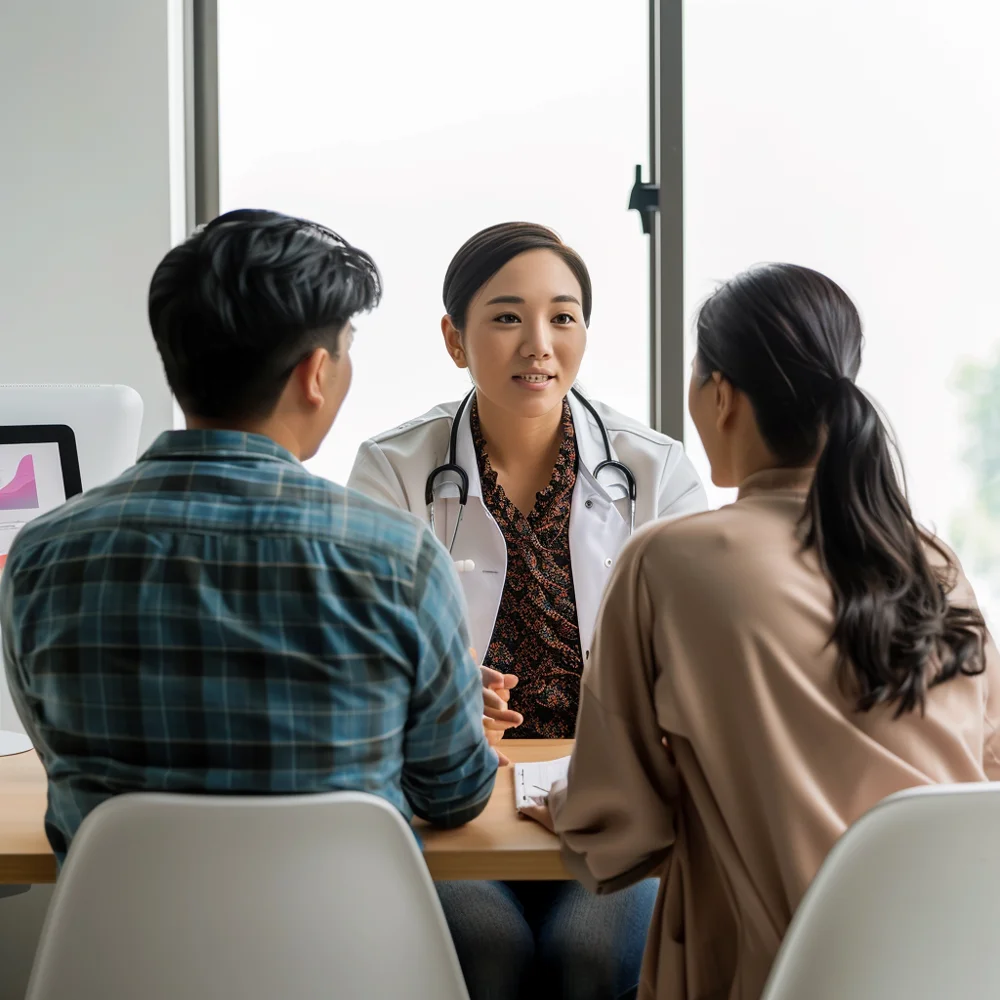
(275, 429)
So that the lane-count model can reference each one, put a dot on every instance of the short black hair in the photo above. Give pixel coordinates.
(483, 255)
(246, 298)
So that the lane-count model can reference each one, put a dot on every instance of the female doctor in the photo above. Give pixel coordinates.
(534, 489)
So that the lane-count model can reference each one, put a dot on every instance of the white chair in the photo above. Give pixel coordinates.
(906, 907)
(187, 897)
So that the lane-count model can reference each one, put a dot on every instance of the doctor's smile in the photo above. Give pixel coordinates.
(534, 380)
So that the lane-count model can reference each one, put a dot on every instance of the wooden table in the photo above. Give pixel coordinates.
(498, 845)
(25, 855)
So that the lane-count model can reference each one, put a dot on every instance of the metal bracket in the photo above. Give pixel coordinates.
(644, 199)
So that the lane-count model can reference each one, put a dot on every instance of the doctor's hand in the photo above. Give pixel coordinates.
(497, 717)
(496, 695)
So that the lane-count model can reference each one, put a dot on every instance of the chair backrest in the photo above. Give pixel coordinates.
(907, 905)
(196, 897)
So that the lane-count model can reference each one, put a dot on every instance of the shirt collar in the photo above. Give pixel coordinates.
(796, 480)
(215, 444)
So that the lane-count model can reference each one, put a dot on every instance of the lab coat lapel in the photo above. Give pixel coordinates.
(479, 538)
(598, 529)
(598, 525)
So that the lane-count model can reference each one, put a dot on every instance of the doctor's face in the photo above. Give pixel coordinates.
(524, 335)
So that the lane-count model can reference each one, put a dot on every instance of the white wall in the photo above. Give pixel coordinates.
(84, 192)
(85, 199)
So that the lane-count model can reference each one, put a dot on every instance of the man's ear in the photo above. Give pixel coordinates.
(312, 373)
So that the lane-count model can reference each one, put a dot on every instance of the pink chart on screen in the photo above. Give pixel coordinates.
(21, 493)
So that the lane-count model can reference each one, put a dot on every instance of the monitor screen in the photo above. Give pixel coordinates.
(39, 470)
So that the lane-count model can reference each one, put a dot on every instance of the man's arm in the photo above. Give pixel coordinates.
(10, 633)
(448, 765)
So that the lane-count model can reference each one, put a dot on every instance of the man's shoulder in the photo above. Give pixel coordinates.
(193, 498)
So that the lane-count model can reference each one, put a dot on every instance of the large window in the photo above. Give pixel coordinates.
(408, 127)
(862, 138)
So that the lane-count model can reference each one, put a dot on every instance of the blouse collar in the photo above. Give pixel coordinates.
(796, 480)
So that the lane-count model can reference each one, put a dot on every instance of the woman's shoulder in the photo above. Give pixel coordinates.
(667, 482)
(719, 548)
(621, 425)
(722, 529)
(437, 418)
(945, 562)
(392, 466)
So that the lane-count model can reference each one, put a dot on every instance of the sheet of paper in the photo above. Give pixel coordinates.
(532, 781)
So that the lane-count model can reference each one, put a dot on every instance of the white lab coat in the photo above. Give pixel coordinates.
(393, 467)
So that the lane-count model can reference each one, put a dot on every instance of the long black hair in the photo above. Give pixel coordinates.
(790, 339)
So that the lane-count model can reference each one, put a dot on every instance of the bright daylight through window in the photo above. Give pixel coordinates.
(861, 137)
(408, 149)
(858, 137)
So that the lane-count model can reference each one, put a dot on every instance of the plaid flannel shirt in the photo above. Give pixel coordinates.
(220, 620)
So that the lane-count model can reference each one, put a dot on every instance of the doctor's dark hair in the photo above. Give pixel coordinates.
(488, 251)
(790, 339)
(236, 307)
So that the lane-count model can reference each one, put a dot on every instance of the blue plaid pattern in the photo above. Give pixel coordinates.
(220, 620)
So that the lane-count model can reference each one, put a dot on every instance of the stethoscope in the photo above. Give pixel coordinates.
(452, 467)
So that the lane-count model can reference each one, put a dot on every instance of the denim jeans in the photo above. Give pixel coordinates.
(547, 940)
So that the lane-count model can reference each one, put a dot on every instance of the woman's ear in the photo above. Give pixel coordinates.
(453, 342)
(725, 400)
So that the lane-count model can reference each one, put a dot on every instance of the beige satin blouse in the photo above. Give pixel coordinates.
(714, 633)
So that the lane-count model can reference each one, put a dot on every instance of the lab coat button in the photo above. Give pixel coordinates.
(607, 562)
(589, 504)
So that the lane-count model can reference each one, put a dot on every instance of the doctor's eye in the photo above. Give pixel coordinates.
(507, 318)
(564, 319)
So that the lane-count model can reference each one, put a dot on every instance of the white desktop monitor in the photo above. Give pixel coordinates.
(39, 470)
(106, 420)
(103, 424)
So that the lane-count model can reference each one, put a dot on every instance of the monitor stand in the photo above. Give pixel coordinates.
(11, 743)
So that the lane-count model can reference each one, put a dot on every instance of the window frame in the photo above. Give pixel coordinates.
(666, 170)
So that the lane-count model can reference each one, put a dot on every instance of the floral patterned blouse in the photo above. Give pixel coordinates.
(537, 636)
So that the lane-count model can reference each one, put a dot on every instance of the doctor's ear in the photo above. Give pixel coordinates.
(453, 342)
